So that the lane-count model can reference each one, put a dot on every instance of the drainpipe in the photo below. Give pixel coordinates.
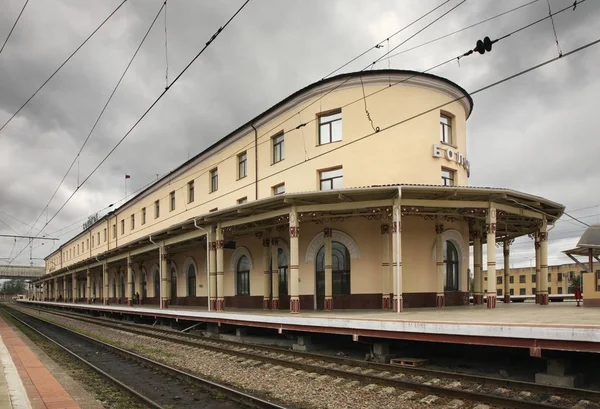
(398, 254)
(159, 271)
(255, 162)
(207, 272)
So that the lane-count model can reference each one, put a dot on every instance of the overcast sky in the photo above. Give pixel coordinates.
(537, 134)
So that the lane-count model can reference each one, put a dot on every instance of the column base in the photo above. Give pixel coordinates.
(89, 301)
(164, 304)
(220, 304)
(440, 300)
(328, 304)
(537, 298)
(507, 298)
(130, 303)
(294, 305)
(266, 304)
(385, 303)
(477, 299)
(213, 304)
(544, 299)
(398, 304)
(491, 300)
(275, 304)
(105, 301)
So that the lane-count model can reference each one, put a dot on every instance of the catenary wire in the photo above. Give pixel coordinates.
(387, 39)
(398, 123)
(477, 91)
(206, 45)
(13, 27)
(100, 115)
(61, 65)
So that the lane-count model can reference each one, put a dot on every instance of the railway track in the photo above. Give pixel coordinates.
(495, 391)
(151, 383)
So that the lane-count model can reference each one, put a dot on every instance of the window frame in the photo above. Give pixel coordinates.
(213, 180)
(242, 162)
(143, 216)
(242, 286)
(274, 189)
(190, 191)
(157, 209)
(451, 177)
(329, 124)
(447, 138)
(172, 201)
(133, 221)
(330, 179)
(122, 226)
(278, 146)
(522, 279)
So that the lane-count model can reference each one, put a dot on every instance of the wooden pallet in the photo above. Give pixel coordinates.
(413, 362)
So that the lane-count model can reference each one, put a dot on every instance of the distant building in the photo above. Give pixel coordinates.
(524, 280)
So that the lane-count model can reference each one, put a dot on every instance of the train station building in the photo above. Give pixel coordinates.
(314, 205)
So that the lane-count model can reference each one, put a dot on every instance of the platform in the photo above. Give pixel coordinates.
(557, 326)
(30, 381)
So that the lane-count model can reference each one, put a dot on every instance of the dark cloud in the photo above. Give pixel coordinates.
(535, 134)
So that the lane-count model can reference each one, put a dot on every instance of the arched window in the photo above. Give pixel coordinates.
(282, 265)
(122, 277)
(340, 274)
(191, 280)
(114, 286)
(452, 266)
(173, 284)
(243, 276)
(157, 283)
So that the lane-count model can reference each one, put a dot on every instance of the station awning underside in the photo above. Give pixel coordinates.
(517, 214)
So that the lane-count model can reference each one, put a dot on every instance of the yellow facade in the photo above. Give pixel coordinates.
(385, 216)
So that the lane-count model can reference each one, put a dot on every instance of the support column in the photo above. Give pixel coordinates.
(64, 294)
(164, 278)
(56, 292)
(105, 293)
(88, 286)
(439, 262)
(138, 282)
(538, 275)
(212, 268)
(327, 233)
(506, 271)
(477, 259)
(274, 266)
(266, 274)
(129, 282)
(74, 287)
(385, 267)
(220, 270)
(490, 227)
(544, 262)
(294, 273)
(397, 257)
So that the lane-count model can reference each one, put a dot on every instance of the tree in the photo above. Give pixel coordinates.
(575, 281)
(13, 287)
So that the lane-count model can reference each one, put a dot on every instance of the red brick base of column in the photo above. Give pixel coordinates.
(491, 301)
(440, 301)
(385, 303)
(328, 304)
(220, 304)
(507, 298)
(266, 303)
(398, 304)
(275, 304)
(544, 299)
(294, 304)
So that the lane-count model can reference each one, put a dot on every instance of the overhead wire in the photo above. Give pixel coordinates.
(13, 27)
(116, 87)
(62, 65)
(206, 45)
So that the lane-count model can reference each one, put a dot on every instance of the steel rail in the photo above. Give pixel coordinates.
(503, 401)
(231, 393)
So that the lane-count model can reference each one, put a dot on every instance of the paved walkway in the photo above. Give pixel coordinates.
(26, 382)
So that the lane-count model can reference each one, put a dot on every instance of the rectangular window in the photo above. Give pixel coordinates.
(512, 291)
(92, 241)
(448, 177)
(533, 278)
(499, 280)
(331, 179)
(143, 215)
(279, 189)
(522, 279)
(157, 209)
(445, 129)
(87, 245)
(242, 165)
(190, 191)
(549, 277)
(511, 279)
(123, 226)
(78, 249)
(549, 290)
(98, 239)
(330, 128)
(278, 153)
(499, 292)
(172, 200)
(114, 231)
(105, 235)
(132, 221)
(559, 277)
(243, 200)
(214, 180)
(521, 291)
(560, 290)
(533, 290)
